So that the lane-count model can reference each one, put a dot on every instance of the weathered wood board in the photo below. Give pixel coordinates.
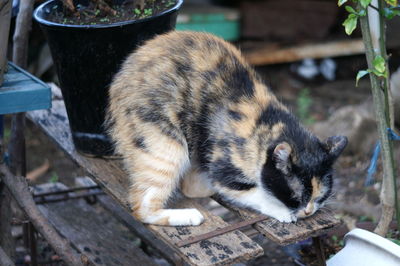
(94, 233)
(225, 249)
(135, 226)
(287, 233)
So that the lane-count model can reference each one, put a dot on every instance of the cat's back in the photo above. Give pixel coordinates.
(179, 63)
(181, 82)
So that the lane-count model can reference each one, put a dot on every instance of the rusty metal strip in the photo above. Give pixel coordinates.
(65, 191)
(42, 200)
(221, 231)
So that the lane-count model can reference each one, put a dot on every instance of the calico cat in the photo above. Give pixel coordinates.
(187, 111)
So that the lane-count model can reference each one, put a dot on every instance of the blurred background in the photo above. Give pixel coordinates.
(300, 49)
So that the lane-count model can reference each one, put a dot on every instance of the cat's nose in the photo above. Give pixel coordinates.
(307, 212)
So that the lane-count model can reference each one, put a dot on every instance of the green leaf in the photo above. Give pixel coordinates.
(350, 9)
(350, 24)
(54, 178)
(361, 74)
(379, 64)
(391, 2)
(396, 241)
(390, 12)
(341, 2)
(365, 3)
(380, 74)
(362, 12)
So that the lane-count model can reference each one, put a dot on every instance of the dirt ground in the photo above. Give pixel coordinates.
(353, 201)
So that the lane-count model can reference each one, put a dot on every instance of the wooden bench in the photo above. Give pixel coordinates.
(228, 248)
(92, 232)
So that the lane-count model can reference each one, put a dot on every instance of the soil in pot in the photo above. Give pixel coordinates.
(95, 12)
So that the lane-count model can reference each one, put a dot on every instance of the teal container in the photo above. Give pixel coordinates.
(223, 22)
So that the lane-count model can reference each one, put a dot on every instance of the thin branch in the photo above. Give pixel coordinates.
(20, 191)
(21, 36)
(387, 192)
(388, 104)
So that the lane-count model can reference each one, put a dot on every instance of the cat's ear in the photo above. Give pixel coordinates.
(281, 156)
(335, 145)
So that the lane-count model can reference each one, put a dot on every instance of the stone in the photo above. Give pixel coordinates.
(354, 121)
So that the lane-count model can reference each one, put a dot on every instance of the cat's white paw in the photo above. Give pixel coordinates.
(286, 217)
(282, 215)
(182, 217)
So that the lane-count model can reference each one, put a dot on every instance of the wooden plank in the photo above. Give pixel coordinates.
(173, 235)
(225, 249)
(5, 17)
(287, 233)
(229, 248)
(92, 232)
(267, 56)
(135, 226)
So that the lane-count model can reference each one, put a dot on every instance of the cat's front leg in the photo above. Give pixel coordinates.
(263, 202)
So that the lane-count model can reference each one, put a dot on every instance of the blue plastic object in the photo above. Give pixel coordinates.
(375, 156)
(21, 92)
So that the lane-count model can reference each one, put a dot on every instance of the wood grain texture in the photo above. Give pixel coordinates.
(135, 226)
(226, 249)
(93, 232)
(19, 188)
(287, 233)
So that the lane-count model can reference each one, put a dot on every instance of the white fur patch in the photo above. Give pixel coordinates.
(177, 217)
(262, 201)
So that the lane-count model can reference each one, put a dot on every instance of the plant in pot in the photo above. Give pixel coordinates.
(89, 39)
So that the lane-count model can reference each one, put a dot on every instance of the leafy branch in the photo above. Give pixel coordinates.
(378, 71)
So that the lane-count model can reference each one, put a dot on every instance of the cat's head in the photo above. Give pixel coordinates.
(301, 176)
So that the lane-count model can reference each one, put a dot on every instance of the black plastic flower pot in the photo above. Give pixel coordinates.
(86, 57)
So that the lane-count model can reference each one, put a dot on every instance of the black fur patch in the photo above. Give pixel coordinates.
(273, 115)
(211, 44)
(168, 82)
(275, 182)
(188, 41)
(327, 181)
(239, 82)
(239, 141)
(167, 128)
(225, 173)
(128, 111)
(210, 75)
(235, 115)
(222, 143)
(148, 115)
(204, 143)
(183, 68)
(139, 143)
